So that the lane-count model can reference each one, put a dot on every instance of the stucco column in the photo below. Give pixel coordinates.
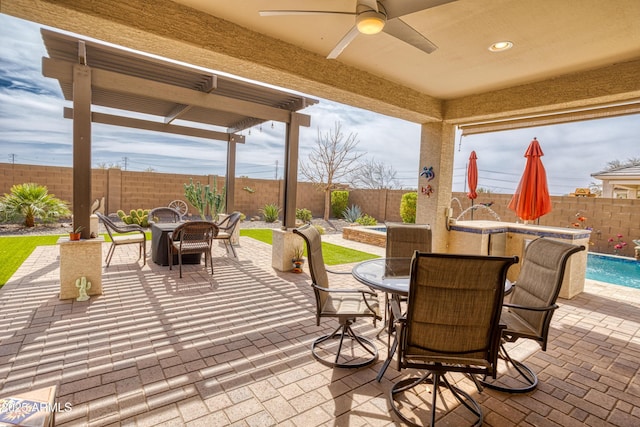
(437, 143)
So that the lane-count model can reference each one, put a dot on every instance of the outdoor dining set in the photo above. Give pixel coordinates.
(174, 240)
(443, 313)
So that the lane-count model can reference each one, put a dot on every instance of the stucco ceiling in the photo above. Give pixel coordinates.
(551, 38)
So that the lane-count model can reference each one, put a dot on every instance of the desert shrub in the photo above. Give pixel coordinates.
(303, 215)
(29, 202)
(339, 202)
(319, 228)
(352, 214)
(408, 207)
(270, 212)
(367, 220)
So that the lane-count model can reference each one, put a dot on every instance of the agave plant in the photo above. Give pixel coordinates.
(30, 202)
(270, 212)
(352, 214)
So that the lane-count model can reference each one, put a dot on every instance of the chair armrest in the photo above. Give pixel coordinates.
(344, 291)
(522, 307)
(337, 272)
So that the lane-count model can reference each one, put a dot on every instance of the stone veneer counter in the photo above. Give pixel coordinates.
(504, 238)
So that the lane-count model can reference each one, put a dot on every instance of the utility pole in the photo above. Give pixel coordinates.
(124, 161)
(12, 158)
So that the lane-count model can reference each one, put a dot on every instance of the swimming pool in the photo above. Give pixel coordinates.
(612, 269)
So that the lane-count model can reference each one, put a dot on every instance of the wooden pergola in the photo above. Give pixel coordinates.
(96, 74)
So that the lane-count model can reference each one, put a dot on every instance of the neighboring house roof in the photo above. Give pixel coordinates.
(624, 172)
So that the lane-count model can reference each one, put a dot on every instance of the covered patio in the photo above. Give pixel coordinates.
(234, 349)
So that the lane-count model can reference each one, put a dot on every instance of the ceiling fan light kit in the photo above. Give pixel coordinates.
(370, 21)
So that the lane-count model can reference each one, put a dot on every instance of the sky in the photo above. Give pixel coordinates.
(33, 131)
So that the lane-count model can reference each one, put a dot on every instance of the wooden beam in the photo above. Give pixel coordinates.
(82, 149)
(291, 170)
(109, 119)
(230, 178)
(121, 83)
(180, 109)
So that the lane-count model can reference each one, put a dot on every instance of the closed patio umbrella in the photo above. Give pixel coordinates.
(531, 200)
(472, 178)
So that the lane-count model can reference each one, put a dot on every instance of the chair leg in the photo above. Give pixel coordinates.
(438, 379)
(528, 377)
(341, 332)
(110, 253)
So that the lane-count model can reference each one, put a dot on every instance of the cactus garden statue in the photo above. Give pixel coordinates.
(82, 284)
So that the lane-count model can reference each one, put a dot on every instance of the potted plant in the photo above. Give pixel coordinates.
(75, 234)
(297, 259)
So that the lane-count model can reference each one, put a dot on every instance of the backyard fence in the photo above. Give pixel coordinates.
(608, 218)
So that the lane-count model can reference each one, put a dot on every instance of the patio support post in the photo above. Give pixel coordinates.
(230, 179)
(291, 167)
(82, 144)
(437, 146)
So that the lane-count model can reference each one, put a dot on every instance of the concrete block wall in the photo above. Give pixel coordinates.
(131, 190)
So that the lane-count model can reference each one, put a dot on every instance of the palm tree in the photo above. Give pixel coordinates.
(32, 201)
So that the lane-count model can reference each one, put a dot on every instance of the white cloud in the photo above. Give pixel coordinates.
(34, 131)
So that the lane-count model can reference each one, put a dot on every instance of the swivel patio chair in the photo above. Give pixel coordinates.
(451, 325)
(226, 227)
(193, 237)
(128, 234)
(531, 306)
(346, 305)
(404, 239)
(164, 214)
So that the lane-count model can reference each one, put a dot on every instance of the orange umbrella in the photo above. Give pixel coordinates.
(531, 200)
(472, 178)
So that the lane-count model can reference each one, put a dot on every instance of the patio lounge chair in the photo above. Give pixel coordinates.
(128, 234)
(226, 227)
(193, 237)
(531, 305)
(164, 214)
(451, 325)
(346, 305)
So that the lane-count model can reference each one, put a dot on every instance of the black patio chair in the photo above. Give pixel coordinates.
(127, 234)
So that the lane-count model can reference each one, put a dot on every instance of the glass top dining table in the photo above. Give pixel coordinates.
(390, 275)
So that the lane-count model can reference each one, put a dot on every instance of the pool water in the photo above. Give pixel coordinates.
(616, 270)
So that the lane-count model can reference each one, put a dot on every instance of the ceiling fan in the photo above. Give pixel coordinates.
(372, 17)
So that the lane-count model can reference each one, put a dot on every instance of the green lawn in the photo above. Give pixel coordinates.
(333, 254)
(14, 250)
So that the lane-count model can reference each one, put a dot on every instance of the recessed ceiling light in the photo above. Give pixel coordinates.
(500, 46)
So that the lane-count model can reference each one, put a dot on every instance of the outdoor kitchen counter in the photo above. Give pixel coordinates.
(507, 239)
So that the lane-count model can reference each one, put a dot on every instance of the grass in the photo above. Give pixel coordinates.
(14, 250)
(332, 254)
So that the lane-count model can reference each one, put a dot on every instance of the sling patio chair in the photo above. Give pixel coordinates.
(347, 305)
(226, 227)
(531, 305)
(126, 234)
(451, 325)
(193, 237)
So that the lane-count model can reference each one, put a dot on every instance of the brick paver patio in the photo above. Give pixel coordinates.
(234, 349)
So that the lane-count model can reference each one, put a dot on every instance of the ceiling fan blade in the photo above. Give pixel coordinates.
(398, 8)
(342, 44)
(301, 12)
(371, 4)
(404, 32)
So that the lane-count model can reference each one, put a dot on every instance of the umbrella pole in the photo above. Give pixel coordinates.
(472, 209)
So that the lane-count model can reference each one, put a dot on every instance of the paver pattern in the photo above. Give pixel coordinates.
(234, 349)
